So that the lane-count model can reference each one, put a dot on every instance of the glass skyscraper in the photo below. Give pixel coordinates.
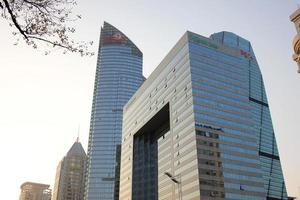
(200, 127)
(118, 76)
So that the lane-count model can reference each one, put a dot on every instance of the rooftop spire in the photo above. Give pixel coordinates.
(78, 131)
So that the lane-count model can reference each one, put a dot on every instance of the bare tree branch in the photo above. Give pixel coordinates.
(13, 18)
(44, 22)
(50, 42)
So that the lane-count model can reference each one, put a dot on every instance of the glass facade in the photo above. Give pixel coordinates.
(118, 76)
(219, 143)
(262, 123)
(227, 148)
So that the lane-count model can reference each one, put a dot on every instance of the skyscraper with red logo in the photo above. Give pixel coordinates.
(118, 76)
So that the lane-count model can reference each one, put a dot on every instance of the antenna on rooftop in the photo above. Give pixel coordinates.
(78, 131)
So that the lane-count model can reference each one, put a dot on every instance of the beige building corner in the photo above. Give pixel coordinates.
(295, 18)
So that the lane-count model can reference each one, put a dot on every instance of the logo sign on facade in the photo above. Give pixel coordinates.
(246, 54)
(206, 42)
(203, 42)
(231, 51)
(115, 38)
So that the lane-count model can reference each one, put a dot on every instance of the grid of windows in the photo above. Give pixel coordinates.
(176, 149)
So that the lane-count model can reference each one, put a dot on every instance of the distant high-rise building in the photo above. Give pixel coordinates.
(118, 76)
(35, 191)
(200, 127)
(70, 175)
(295, 18)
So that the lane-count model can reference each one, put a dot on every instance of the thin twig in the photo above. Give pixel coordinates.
(53, 43)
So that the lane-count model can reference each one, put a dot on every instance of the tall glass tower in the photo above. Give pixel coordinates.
(200, 127)
(118, 76)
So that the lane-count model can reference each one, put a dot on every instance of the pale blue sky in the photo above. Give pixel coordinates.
(44, 98)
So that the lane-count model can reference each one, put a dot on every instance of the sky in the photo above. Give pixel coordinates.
(45, 101)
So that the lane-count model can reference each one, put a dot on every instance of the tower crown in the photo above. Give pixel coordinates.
(110, 35)
(76, 149)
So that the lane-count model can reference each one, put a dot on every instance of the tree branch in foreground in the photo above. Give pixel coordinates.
(45, 22)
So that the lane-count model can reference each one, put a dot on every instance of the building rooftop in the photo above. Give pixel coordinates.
(32, 184)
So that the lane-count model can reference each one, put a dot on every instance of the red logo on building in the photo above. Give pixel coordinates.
(246, 54)
(115, 38)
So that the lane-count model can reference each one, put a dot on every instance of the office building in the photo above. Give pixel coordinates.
(70, 174)
(118, 76)
(295, 18)
(200, 127)
(35, 191)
